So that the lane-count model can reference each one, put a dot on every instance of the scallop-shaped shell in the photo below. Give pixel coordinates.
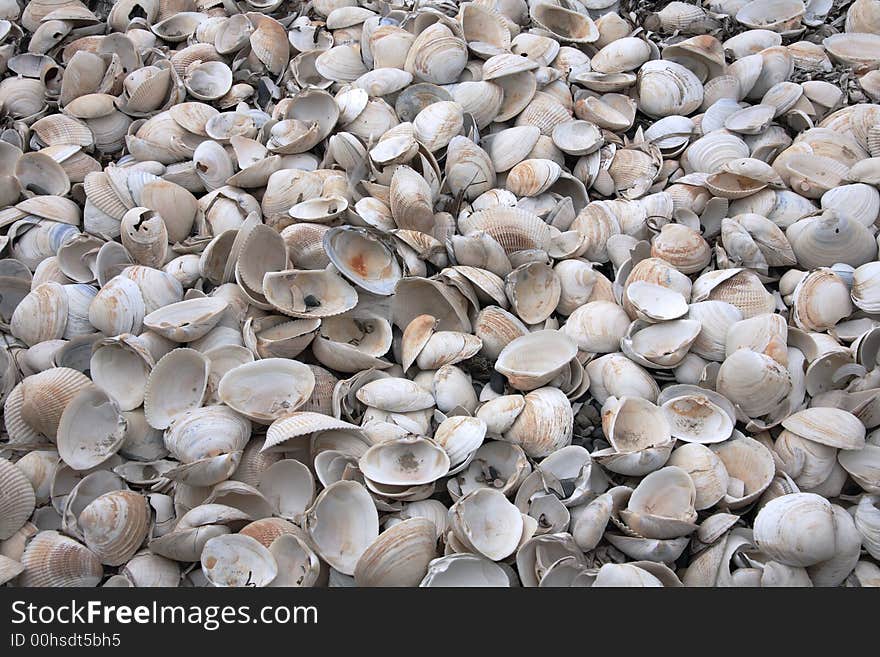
(18, 500)
(91, 429)
(342, 524)
(267, 389)
(45, 395)
(114, 525)
(54, 560)
(739, 287)
(513, 228)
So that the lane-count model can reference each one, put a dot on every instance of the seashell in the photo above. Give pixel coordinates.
(404, 462)
(268, 389)
(564, 24)
(52, 559)
(780, 525)
(666, 88)
(754, 382)
(534, 359)
(436, 55)
(705, 469)
(811, 241)
(363, 259)
(114, 525)
(820, 300)
(18, 501)
(669, 516)
(188, 320)
(544, 425)
(41, 315)
(455, 570)
(176, 384)
(749, 465)
(237, 560)
(827, 426)
(468, 520)
(343, 523)
(682, 247)
(399, 556)
(854, 49)
(91, 429)
(304, 293)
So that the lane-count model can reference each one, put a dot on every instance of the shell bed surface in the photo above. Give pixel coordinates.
(495, 293)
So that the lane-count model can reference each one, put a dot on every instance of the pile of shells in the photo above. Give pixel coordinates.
(489, 293)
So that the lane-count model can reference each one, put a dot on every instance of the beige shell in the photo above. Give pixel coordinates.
(544, 425)
(404, 462)
(470, 522)
(267, 389)
(91, 429)
(18, 501)
(343, 523)
(237, 560)
(176, 384)
(309, 293)
(54, 560)
(114, 525)
(534, 359)
(399, 556)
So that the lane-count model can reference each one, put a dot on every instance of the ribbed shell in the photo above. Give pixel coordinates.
(46, 394)
(53, 560)
(513, 228)
(17, 499)
(114, 525)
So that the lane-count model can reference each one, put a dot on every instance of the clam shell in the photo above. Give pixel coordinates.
(343, 523)
(91, 429)
(267, 389)
(305, 293)
(114, 525)
(236, 560)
